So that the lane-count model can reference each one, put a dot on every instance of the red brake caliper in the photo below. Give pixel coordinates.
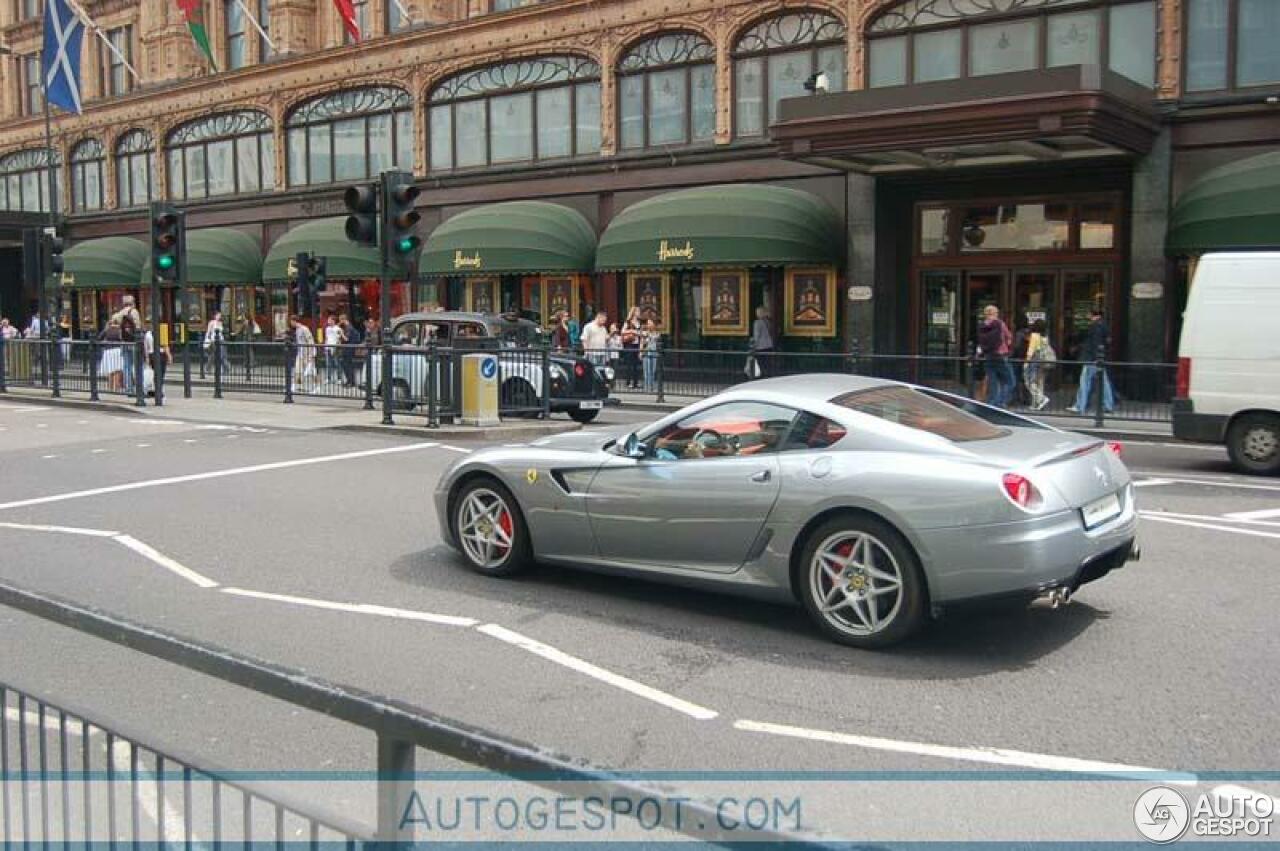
(843, 551)
(504, 522)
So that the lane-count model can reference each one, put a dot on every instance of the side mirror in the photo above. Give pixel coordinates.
(631, 447)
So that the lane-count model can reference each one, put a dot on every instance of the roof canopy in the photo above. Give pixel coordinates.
(727, 225)
(218, 256)
(112, 261)
(512, 237)
(1234, 207)
(325, 238)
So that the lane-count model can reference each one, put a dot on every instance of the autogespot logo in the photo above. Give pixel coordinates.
(489, 368)
(1161, 814)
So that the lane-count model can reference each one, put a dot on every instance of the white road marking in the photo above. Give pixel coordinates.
(356, 608)
(559, 657)
(149, 421)
(47, 457)
(143, 445)
(1213, 518)
(1235, 530)
(159, 558)
(42, 425)
(462, 449)
(190, 440)
(213, 474)
(1200, 447)
(991, 756)
(232, 436)
(22, 409)
(1212, 481)
(63, 530)
(96, 451)
(1151, 483)
(1265, 514)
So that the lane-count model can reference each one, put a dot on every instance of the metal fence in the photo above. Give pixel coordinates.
(45, 761)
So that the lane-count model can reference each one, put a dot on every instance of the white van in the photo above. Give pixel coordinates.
(1229, 359)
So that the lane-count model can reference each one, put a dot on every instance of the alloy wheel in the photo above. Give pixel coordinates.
(486, 529)
(857, 583)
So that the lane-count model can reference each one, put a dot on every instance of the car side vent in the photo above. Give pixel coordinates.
(558, 477)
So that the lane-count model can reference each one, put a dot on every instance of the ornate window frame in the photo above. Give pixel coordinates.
(250, 126)
(815, 30)
(88, 166)
(535, 74)
(327, 110)
(663, 52)
(133, 145)
(23, 170)
(1231, 59)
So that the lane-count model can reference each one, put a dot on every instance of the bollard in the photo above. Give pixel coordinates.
(93, 369)
(139, 377)
(3, 354)
(290, 355)
(158, 371)
(545, 401)
(387, 386)
(973, 373)
(55, 365)
(217, 366)
(1099, 383)
(368, 379)
(433, 366)
(186, 370)
(662, 374)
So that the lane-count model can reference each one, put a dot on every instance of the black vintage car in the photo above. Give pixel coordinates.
(578, 387)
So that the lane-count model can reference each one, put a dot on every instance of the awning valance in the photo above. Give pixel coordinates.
(106, 263)
(1232, 208)
(728, 225)
(326, 238)
(218, 256)
(512, 238)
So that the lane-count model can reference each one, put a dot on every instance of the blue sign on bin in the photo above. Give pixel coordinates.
(489, 368)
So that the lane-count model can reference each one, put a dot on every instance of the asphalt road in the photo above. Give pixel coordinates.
(1168, 664)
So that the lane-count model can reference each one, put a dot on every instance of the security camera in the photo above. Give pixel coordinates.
(818, 83)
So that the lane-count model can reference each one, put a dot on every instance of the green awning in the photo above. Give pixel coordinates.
(107, 263)
(512, 237)
(1234, 207)
(218, 256)
(327, 238)
(731, 225)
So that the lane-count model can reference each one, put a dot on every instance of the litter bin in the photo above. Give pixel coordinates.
(479, 390)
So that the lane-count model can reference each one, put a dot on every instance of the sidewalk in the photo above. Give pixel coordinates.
(1113, 429)
(305, 414)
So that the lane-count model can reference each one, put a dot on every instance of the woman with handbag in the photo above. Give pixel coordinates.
(631, 330)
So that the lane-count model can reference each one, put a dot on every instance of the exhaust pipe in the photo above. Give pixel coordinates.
(1057, 597)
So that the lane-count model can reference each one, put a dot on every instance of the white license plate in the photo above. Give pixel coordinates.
(591, 406)
(1101, 510)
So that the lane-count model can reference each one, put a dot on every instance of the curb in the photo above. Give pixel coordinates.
(110, 406)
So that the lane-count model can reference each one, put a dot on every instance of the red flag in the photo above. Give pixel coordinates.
(348, 13)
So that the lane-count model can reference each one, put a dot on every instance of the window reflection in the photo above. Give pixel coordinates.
(1020, 227)
(774, 58)
(349, 135)
(221, 155)
(667, 91)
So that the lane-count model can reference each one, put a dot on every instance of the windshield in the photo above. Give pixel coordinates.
(913, 409)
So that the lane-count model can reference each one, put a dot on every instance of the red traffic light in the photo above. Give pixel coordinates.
(361, 199)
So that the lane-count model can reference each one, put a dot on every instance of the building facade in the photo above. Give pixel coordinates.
(1023, 152)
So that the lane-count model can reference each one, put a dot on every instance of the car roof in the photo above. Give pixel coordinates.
(810, 389)
(441, 316)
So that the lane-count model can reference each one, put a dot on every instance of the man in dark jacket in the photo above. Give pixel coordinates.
(1097, 340)
(994, 340)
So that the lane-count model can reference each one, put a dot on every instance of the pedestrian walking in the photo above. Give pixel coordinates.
(333, 340)
(994, 343)
(216, 332)
(1020, 393)
(630, 334)
(350, 342)
(7, 329)
(759, 362)
(1039, 359)
(559, 333)
(650, 351)
(111, 361)
(595, 340)
(1097, 341)
(304, 362)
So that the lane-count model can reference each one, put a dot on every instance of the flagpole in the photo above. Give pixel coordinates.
(256, 25)
(91, 24)
(53, 205)
(404, 13)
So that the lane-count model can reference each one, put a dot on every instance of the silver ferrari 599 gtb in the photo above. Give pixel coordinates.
(874, 503)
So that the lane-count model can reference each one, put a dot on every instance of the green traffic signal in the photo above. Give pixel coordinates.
(406, 244)
(165, 261)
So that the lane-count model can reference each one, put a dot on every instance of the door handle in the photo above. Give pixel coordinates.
(762, 476)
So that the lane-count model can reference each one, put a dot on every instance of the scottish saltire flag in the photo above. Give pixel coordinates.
(63, 34)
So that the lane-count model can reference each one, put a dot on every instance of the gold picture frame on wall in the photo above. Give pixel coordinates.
(810, 302)
(88, 304)
(483, 295)
(725, 303)
(559, 292)
(651, 292)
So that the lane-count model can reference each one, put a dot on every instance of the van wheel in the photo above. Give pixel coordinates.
(584, 416)
(1253, 442)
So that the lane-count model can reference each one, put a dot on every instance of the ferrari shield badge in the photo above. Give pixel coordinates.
(531, 476)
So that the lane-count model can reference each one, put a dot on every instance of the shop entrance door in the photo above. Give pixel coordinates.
(981, 289)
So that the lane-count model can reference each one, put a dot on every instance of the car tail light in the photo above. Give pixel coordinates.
(1116, 447)
(1183, 388)
(579, 370)
(1020, 490)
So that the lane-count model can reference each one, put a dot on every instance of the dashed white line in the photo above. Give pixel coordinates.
(96, 451)
(1151, 483)
(159, 558)
(1161, 517)
(990, 756)
(559, 657)
(47, 457)
(356, 608)
(462, 449)
(214, 474)
(190, 440)
(1246, 516)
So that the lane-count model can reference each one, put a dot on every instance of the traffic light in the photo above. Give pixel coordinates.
(362, 206)
(306, 297)
(54, 245)
(399, 218)
(168, 242)
(319, 276)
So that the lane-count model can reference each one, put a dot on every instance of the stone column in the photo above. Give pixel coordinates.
(860, 203)
(1148, 222)
(608, 95)
(297, 25)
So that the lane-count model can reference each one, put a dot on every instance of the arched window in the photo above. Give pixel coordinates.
(223, 154)
(667, 91)
(536, 109)
(350, 135)
(24, 180)
(135, 169)
(1231, 44)
(774, 58)
(87, 163)
(920, 41)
